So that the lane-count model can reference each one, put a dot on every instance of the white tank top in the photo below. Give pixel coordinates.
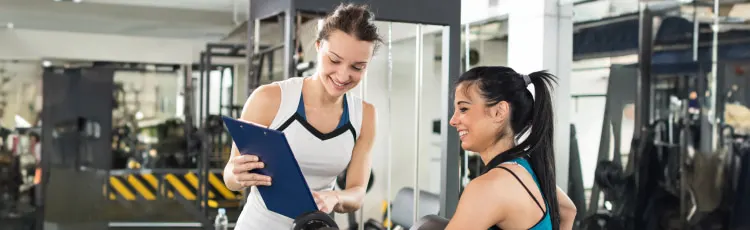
(321, 156)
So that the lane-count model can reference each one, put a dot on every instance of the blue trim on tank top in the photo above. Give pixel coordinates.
(546, 222)
(344, 116)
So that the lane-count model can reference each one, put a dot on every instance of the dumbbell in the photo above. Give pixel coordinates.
(316, 220)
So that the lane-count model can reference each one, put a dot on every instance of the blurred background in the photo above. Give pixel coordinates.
(110, 109)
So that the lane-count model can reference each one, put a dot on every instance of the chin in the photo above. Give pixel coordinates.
(335, 92)
(467, 146)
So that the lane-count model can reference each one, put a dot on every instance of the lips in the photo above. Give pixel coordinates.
(339, 85)
(462, 133)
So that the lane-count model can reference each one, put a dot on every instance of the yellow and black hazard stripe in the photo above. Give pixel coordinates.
(133, 186)
(150, 186)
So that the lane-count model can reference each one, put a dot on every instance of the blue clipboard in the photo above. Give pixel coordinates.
(289, 194)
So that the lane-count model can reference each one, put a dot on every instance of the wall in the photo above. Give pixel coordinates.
(490, 52)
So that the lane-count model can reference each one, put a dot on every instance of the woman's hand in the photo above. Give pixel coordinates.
(326, 200)
(242, 166)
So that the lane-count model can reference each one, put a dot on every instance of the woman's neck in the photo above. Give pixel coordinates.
(496, 149)
(318, 96)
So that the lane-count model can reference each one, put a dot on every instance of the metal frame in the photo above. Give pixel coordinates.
(205, 68)
(643, 82)
(444, 13)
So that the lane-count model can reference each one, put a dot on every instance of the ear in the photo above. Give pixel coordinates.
(501, 112)
(317, 46)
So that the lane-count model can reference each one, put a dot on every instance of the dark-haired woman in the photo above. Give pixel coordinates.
(327, 127)
(517, 189)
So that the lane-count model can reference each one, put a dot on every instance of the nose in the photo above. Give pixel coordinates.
(454, 120)
(343, 74)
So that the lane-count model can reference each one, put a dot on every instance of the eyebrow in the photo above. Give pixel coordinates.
(339, 56)
(463, 102)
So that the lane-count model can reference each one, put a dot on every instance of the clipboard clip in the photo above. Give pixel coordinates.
(264, 132)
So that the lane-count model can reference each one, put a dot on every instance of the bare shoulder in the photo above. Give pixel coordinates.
(267, 92)
(502, 179)
(368, 111)
(483, 203)
(491, 183)
(262, 105)
(519, 192)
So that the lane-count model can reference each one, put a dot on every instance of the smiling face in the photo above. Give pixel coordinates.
(342, 61)
(478, 125)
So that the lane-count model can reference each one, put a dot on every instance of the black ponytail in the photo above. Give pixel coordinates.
(541, 142)
(528, 112)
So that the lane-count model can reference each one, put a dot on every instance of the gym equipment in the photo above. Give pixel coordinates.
(403, 206)
(680, 172)
(174, 150)
(320, 221)
(430, 222)
(76, 147)
(316, 220)
(738, 202)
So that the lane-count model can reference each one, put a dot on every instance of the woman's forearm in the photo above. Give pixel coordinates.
(350, 199)
(566, 222)
(567, 210)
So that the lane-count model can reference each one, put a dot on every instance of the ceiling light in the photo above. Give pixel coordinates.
(10, 25)
(77, 1)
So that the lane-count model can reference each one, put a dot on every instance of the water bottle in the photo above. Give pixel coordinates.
(221, 222)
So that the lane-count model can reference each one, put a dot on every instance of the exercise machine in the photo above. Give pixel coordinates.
(675, 175)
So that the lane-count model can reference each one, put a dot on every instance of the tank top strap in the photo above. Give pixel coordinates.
(291, 89)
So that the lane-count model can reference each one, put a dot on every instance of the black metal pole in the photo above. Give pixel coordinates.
(270, 65)
(201, 99)
(231, 91)
(188, 104)
(221, 107)
(643, 82)
(202, 69)
(207, 151)
(209, 68)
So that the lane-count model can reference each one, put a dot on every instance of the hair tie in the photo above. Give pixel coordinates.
(526, 79)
